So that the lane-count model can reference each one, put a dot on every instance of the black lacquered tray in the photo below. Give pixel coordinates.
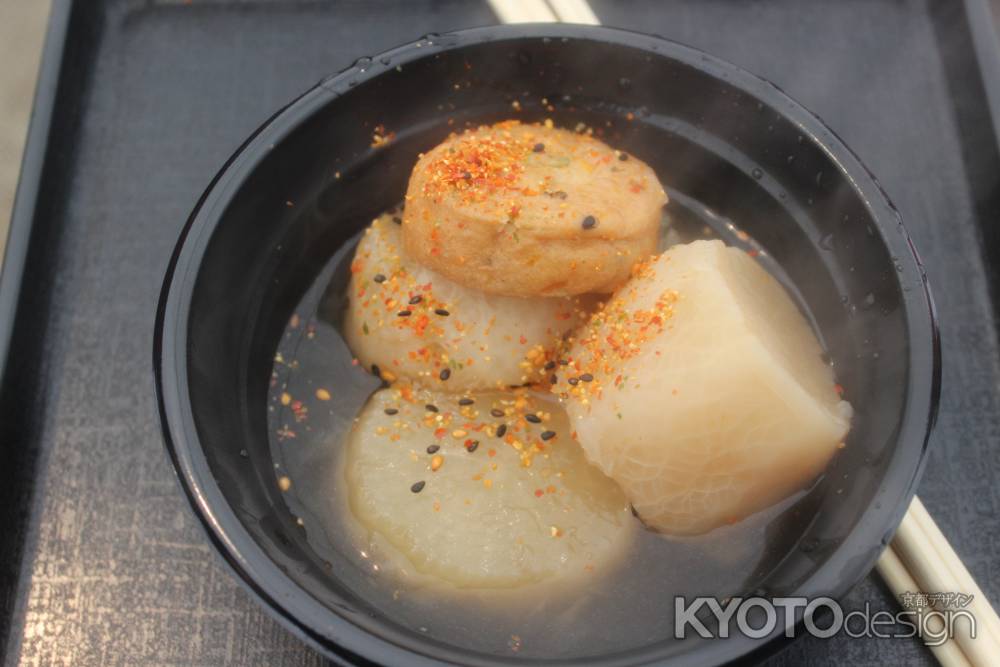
(140, 102)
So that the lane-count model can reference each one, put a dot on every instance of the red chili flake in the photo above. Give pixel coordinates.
(840, 390)
(539, 493)
(440, 433)
(420, 325)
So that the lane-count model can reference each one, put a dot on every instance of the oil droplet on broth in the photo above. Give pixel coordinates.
(618, 610)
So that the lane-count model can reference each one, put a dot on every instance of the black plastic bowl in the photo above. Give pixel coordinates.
(711, 130)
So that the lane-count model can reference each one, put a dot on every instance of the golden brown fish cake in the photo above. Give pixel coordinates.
(529, 210)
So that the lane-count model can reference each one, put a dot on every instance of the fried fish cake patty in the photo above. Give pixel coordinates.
(531, 210)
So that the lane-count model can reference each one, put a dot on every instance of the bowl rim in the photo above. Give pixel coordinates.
(348, 642)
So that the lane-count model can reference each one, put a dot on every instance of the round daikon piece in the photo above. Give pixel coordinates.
(701, 389)
(413, 323)
(472, 491)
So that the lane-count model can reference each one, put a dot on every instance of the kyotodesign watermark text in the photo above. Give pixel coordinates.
(934, 616)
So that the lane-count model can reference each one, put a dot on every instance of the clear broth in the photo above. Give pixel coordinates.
(631, 606)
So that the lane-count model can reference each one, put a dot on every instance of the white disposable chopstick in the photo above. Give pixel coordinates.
(544, 11)
(523, 11)
(894, 573)
(922, 551)
(920, 559)
(985, 613)
(574, 11)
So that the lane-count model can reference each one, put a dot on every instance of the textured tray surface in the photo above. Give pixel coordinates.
(115, 569)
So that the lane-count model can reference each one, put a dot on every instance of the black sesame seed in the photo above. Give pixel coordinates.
(554, 379)
(376, 371)
(404, 313)
(445, 374)
(472, 446)
(418, 487)
(589, 222)
(549, 366)
(548, 435)
(634, 513)
(496, 412)
(538, 148)
(574, 381)
(587, 377)
(391, 411)
(430, 407)
(623, 156)
(415, 300)
(465, 401)
(560, 194)
(467, 175)
(379, 278)
(501, 430)
(534, 419)
(432, 449)
(442, 312)
(563, 362)
(397, 219)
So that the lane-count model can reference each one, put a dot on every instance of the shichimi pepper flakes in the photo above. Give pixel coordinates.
(616, 332)
(521, 431)
(387, 296)
(479, 166)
